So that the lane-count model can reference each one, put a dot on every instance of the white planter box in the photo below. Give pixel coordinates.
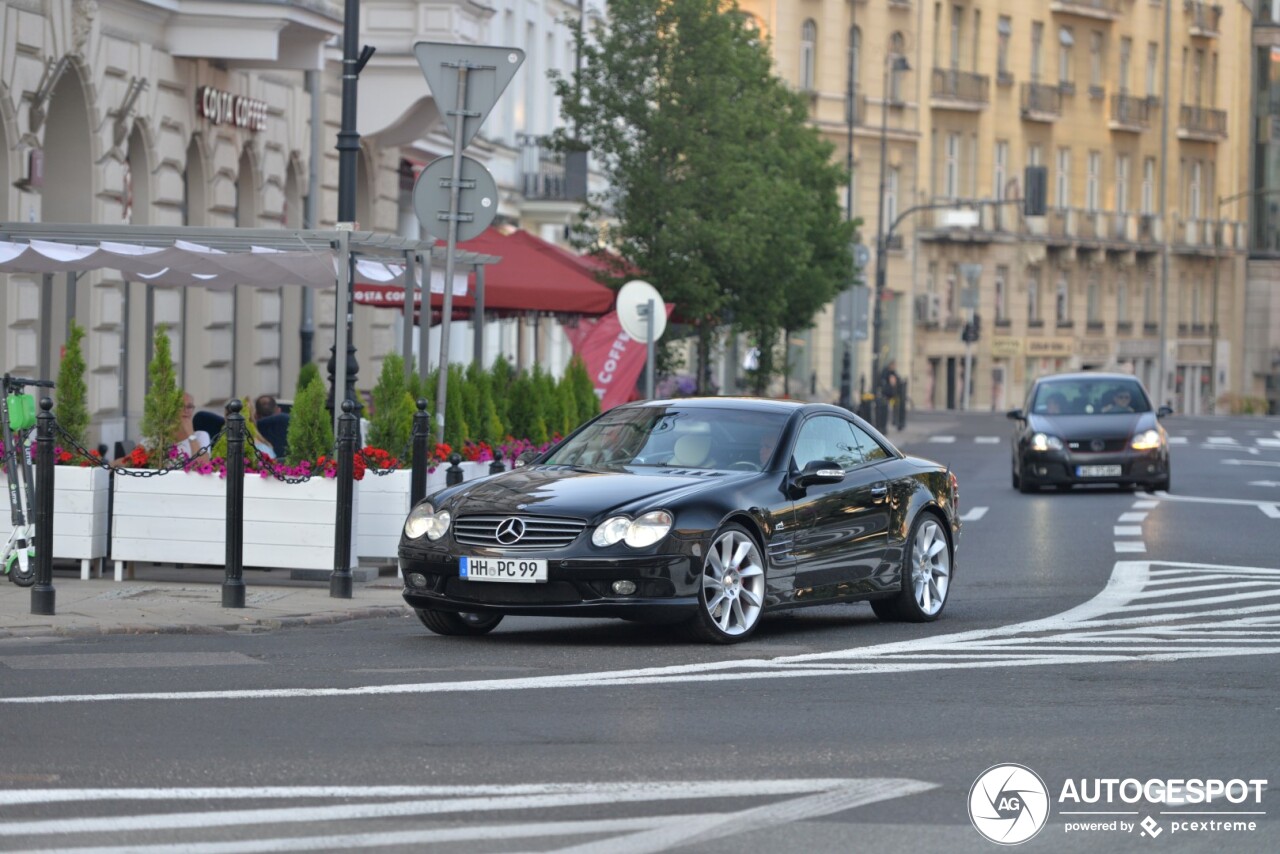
(181, 518)
(384, 504)
(79, 514)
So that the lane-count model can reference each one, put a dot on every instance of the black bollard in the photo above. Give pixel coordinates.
(419, 461)
(233, 581)
(340, 581)
(496, 467)
(453, 474)
(42, 594)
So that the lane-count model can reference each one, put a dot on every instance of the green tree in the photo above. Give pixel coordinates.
(456, 428)
(310, 427)
(709, 159)
(73, 408)
(527, 420)
(391, 427)
(162, 406)
(308, 372)
(488, 426)
(501, 375)
(584, 392)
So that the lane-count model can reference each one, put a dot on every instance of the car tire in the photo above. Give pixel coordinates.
(454, 623)
(732, 594)
(1017, 481)
(1026, 488)
(1162, 485)
(915, 603)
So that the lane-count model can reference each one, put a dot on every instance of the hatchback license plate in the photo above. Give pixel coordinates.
(1097, 471)
(502, 569)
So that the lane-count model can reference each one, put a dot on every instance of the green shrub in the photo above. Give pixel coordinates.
(501, 375)
(527, 419)
(310, 427)
(456, 429)
(308, 372)
(391, 427)
(162, 406)
(73, 408)
(584, 391)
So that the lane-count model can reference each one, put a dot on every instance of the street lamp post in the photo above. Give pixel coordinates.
(893, 64)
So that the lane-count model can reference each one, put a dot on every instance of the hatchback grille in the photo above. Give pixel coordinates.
(539, 533)
(1108, 445)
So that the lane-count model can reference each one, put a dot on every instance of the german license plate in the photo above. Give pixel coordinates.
(502, 569)
(1097, 471)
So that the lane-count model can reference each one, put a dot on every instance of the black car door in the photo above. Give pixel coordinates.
(840, 527)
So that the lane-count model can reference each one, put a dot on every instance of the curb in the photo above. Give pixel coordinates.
(250, 626)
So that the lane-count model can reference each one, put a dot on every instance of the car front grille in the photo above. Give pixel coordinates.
(1109, 446)
(488, 593)
(539, 532)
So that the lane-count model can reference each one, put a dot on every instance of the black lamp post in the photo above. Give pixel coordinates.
(348, 149)
(893, 64)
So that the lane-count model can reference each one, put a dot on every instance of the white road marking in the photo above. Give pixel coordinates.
(1118, 606)
(1145, 504)
(1221, 440)
(1264, 483)
(1177, 440)
(1267, 507)
(1130, 546)
(1264, 442)
(974, 514)
(1127, 530)
(818, 797)
(1132, 517)
(1271, 463)
(943, 440)
(1236, 449)
(989, 440)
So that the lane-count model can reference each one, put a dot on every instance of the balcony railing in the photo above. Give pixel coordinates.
(962, 89)
(1041, 102)
(1105, 10)
(1130, 113)
(1206, 18)
(548, 176)
(1202, 123)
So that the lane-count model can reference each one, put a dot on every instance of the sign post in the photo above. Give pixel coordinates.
(466, 81)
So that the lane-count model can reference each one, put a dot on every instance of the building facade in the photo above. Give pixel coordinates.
(131, 111)
(1138, 112)
(1262, 295)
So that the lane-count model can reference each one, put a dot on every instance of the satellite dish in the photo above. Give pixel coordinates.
(632, 307)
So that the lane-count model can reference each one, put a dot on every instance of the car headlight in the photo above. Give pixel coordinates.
(424, 519)
(1045, 442)
(1147, 440)
(637, 533)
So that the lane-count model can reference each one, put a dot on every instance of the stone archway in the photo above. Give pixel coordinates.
(68, 196)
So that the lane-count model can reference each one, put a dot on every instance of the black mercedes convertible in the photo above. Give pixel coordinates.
(705, 511)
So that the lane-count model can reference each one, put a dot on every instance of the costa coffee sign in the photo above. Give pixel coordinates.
(224, 108)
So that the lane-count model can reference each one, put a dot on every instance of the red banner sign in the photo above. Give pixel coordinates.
(613, 358)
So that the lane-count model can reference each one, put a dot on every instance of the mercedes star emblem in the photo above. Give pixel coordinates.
(510, 531)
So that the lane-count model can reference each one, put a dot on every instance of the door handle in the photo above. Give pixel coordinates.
(879, 492)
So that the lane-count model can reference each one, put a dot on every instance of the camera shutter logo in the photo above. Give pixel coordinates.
(1009, 804)
(510, 531)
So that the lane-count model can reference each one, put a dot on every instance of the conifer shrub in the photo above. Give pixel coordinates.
(162, 406)
(73, 407)
(310, 428)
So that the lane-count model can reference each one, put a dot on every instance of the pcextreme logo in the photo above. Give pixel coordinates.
(1008, 804)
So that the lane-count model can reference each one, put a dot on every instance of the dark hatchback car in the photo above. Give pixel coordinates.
(708, 511)
(1089, 428)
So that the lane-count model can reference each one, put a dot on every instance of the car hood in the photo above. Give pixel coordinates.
(1115, 425)
(577, 491)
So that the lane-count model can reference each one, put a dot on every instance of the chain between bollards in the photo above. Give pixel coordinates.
(233, 582)
(42, 593)
(340, 581)
(418, 462)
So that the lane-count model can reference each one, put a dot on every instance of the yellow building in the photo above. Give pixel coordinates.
(1140, 112)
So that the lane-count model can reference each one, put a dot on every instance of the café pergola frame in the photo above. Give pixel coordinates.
(221, 258)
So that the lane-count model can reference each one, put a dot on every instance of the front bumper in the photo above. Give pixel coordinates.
(667, 586)
(1057, 468)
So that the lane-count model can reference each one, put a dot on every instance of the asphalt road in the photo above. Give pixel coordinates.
(1092, 634)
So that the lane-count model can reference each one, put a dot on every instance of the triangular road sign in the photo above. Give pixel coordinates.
(489, 70)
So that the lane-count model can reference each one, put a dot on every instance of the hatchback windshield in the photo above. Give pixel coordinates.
(1090, 397)
(678, 437)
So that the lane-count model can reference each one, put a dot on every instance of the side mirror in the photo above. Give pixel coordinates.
(819, 471)
(527, 457)
(1016, 415)
(1163, 411)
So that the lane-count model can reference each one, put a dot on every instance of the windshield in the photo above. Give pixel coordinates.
(1090, 397)
(737, 439)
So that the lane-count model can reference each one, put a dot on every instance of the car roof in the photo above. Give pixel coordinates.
(765, 404)
(1087, 375)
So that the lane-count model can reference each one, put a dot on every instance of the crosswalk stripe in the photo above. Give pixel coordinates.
(1130, 546)
(1177, 440)
(942, 440)
(1221, 440)
(987, 440)
(974, 515)
(1127, 530)
(1267, 443)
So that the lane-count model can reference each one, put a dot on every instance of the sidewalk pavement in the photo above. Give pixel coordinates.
(167, 599)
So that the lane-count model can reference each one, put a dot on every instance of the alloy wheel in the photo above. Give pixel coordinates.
(930, 568)
(733, 583)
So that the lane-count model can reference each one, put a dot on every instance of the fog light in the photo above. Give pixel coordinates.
(624, 588)
(417, 579)
(1042, 471)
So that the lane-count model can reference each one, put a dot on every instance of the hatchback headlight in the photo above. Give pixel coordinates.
(637, 533)
(424, 519)
(1147, 440)
(1045, 442)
